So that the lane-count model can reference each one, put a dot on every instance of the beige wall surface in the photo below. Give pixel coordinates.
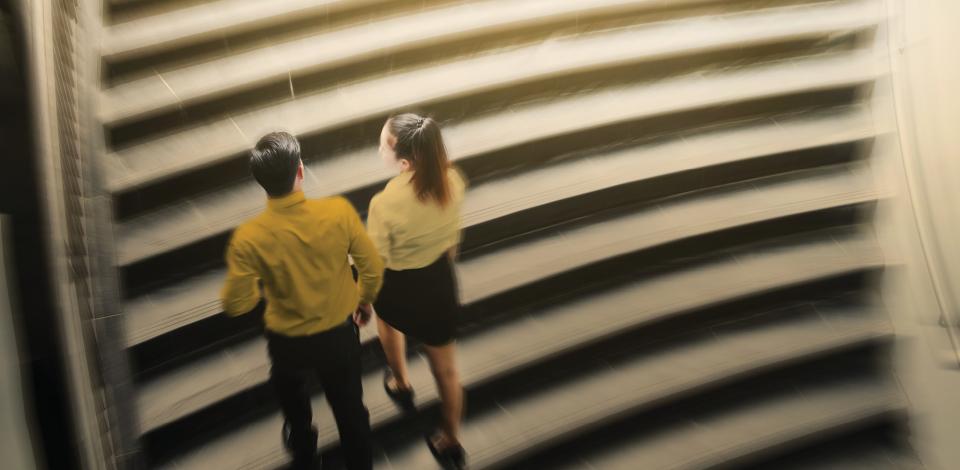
(920, 164)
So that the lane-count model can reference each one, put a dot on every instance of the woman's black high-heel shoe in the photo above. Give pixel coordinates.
(450, 458)
(402, 397)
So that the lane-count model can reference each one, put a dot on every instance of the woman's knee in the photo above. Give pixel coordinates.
(444, 373)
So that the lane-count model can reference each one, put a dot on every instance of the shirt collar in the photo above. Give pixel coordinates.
(283, 202)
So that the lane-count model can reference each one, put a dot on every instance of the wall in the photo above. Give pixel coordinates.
(916, 165)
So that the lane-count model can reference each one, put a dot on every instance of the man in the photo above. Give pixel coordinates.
(297, 250)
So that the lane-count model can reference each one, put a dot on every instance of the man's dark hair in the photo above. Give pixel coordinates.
(274, 162)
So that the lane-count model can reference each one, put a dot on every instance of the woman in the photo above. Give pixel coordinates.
(415, 224)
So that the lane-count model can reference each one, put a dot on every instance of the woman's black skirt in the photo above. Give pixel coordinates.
(422, 303)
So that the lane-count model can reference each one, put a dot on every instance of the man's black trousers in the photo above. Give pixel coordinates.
(333, 357)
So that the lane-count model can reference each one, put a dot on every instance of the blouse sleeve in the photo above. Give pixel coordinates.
(379, 230)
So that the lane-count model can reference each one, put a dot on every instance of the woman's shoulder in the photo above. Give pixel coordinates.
(458, 180)
(397, 183)
(392, 191)
(376, 200)
(454, 171)
(457, 176)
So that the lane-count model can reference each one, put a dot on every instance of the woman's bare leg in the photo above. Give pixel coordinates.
(395, 348)
(443, 365)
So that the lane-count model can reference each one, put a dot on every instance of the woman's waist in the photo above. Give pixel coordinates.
(419, 260)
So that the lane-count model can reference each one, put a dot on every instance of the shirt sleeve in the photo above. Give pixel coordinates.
(365, 257)
(378, 230)
(241, 290)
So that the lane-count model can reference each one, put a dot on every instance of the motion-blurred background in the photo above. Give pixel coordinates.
(699, 233)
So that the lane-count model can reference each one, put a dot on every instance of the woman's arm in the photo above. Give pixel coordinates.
(378, 230)
(365, 257)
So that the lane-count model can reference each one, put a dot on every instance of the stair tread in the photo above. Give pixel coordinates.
(708, 441)
(483, 277)
(206, 21)
(857, 452)
(195, 298)
(223, 58)
(189, 389)
(278, 62)
(167, 156)
(674, 371)
(217, 212)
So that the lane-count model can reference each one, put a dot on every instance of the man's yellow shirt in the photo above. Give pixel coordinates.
(298, 250)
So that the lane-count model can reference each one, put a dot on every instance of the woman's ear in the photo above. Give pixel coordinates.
(404, 164)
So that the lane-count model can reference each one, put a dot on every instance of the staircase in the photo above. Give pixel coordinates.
(667, 262)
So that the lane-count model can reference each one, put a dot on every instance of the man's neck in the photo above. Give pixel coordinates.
(296, 190)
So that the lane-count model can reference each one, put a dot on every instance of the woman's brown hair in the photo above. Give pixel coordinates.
(418, 140)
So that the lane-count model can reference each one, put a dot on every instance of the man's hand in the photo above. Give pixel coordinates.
(362, 315)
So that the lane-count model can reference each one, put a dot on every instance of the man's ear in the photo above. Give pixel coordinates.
(300, 171)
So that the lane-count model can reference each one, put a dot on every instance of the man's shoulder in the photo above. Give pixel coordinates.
(330, 202)
(331, 206)
(249, 228)
(246, 235)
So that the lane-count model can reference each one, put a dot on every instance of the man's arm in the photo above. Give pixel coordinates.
(365, 257)
(241, 291)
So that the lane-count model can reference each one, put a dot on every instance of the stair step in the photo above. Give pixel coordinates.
(680, 218)
(531, 339)
(190, 389)
(719, 143)
(218, 212)
(749, 430)
(176, 395)
(856, 451)
(195, 298)
(181, 87)
(208, 21)
(225, 139)
(522, 425)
